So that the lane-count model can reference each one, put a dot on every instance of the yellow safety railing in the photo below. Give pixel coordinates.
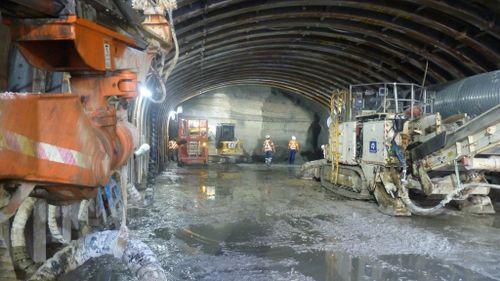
(336, 104)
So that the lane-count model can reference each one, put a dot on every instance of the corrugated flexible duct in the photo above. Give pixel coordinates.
(472, 95)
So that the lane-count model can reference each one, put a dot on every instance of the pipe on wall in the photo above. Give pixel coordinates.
(153, 156)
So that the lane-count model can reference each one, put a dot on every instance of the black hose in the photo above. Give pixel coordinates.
(153, 156)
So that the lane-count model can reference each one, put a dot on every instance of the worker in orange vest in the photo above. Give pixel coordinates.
(172, 149)
(293, 147)
(268, 148)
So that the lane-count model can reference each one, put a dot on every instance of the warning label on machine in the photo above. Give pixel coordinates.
(107, 56)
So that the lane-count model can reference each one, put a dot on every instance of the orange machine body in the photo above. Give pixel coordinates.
(193, 135)
(68, 144)
(69, 44)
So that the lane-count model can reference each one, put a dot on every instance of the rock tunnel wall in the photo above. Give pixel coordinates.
(258, 111)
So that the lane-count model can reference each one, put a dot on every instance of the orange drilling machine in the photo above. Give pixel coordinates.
(64, 146)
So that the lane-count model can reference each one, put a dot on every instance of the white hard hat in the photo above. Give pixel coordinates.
(268, 136)
(294, 138)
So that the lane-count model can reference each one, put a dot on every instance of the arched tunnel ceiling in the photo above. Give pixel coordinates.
(312, 47)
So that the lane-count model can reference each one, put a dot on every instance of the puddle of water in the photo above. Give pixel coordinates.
(224, 233)
(239, 239)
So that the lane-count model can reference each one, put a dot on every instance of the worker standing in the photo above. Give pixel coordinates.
(293, 147)
(172, 149)
(268, 148)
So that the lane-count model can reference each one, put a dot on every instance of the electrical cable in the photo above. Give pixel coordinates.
(162, 78)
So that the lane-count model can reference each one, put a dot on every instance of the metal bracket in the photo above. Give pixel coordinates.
(112, 196)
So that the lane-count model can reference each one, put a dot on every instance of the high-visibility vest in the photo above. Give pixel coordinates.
(268, 145)
(172, 145)
(293, 145)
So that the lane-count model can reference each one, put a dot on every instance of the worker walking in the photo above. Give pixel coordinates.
(172, 149)
(268, 148)
(293, 147)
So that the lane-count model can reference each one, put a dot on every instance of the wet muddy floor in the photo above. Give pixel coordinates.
(247, 222)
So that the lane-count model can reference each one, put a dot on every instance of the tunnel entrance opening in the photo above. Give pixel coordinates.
(254, 112)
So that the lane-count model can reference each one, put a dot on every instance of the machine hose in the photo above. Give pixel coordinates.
(7, 272)
(161, 76)
(20, 256)
(134, 195)
(83, 218)
(137, 256)
(53, 227)
(176, 46)
(153, 158)
(414, 209)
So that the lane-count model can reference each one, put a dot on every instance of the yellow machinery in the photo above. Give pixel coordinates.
(228, 146)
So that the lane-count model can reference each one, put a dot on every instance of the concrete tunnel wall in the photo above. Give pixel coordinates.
(257, 111)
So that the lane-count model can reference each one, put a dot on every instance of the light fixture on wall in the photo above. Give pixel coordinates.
(179, 109)
(145, 92)
(171, 115)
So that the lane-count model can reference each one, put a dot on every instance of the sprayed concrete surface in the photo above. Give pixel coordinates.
(246, 222)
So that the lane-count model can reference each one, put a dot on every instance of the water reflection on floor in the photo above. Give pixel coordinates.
(247, 222)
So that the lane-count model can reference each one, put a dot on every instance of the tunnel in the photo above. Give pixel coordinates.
(249, 139)
(311, 48)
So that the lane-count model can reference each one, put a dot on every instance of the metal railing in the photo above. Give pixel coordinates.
(387, 97)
